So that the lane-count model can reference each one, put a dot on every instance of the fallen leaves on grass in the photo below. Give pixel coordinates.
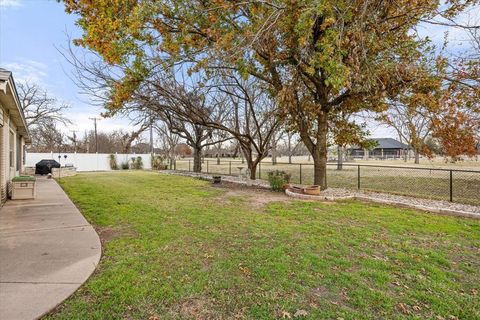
(417, 308)
(403, 308)
(300, 313)
(246, 271)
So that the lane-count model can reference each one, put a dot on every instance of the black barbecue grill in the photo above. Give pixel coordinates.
(45, 166)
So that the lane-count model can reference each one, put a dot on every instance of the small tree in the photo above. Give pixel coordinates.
(139, 163)
(112, 159)
(157, 162)
(182, 150)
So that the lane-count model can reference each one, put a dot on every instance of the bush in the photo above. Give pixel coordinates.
(125, 166)
(278, 179)
(137, 163)
(157, 163)
(113, 162)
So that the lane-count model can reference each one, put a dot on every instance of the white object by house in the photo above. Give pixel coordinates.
(23, 189)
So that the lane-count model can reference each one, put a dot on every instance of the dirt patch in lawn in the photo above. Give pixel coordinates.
(254, 196)
(196, 308)
(322, 294)
(108, 234)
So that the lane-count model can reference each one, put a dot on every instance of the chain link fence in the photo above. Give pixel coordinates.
(462, 186)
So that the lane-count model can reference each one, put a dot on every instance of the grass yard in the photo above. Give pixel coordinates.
(178, 248)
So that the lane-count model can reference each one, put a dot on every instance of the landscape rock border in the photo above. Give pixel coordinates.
(441, 211)
(334, 194)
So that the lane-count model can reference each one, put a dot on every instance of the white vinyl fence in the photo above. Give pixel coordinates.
(86, 161)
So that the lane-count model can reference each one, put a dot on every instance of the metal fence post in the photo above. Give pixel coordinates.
(451, 185)
(175, 164)
(189, 166)
(300, 173)
(358, 177)
(230, 167)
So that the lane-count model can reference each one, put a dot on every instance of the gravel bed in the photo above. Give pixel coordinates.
(439, 206)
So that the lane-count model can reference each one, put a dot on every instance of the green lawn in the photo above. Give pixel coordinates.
(422, 183)
(177, 248)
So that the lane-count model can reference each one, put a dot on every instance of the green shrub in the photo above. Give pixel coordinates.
(113, 162)
(278, 179)
(125, 166)
(137, 163)
(157, 163)
(24, 178)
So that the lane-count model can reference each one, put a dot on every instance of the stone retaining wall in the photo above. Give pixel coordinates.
(29, 171)
(64, 172)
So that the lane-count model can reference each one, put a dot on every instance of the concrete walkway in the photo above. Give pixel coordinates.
(47, 250)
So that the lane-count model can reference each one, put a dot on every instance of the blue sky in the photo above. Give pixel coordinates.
(30, 33)
(32, 30)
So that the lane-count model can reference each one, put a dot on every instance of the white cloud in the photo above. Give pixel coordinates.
(38, 73)
(10, 3)
(81, 122)
(28, 70)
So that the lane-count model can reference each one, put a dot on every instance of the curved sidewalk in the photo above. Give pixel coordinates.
(47, 250)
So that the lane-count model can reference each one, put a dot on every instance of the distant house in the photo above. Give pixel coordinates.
(222, 153)
(386, 148)
(13, 133)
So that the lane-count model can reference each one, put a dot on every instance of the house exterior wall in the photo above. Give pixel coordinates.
(11, 155)
(13, 133)
(3, 155)
(387, 153)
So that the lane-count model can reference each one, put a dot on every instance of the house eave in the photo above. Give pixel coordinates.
(11, 102)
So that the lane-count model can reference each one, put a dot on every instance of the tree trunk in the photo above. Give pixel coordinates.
(197, 159)
(172, 157)
(339, 158)
(251, 165)
(289, 148)
(274, 155)
(253, 171)
(319, 153)
(320, 168)
(417, 156)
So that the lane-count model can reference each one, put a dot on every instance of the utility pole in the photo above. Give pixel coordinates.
(151, 138)
(87, 143)
(74, 139)
(95, 126)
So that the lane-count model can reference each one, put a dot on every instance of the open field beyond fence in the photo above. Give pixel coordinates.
(461, 186)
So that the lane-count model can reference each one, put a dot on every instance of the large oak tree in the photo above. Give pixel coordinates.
(318, 57)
